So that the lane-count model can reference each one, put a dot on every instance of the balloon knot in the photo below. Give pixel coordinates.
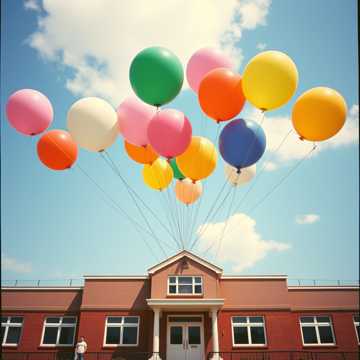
(238, 170)
(263, 110)
(102, 150)
(32, 134)
(301, 138)
(193, 181)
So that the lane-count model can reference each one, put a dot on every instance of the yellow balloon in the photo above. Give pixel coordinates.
(199, 159)
(158, 175)
(188, 191)
(269, 80)
(319, 114)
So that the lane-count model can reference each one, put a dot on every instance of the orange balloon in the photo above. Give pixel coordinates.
(57, 150)
(141, 154)
(220, 94)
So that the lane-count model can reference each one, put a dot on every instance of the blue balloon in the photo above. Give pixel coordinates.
(242, 143)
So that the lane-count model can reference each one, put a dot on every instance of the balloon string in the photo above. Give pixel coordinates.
(174, 216)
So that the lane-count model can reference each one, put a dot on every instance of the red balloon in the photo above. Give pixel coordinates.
(57, 150)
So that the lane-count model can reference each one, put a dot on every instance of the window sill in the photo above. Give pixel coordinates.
(185, 295)
(56, 346)
(118, 346)
(320, 345)
(10, 345)
(257, 346)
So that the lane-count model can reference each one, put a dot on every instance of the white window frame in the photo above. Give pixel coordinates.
(248, 325)
(356, 323)
(59, 326)
(7, 325)
(317, 324)
(193, 285)
(121, 325)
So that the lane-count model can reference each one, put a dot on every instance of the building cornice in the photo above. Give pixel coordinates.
(254, 277)
(41, 288)
(338, 287)
(115, 277)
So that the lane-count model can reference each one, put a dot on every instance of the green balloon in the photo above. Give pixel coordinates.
(156, 75)
(177, 173)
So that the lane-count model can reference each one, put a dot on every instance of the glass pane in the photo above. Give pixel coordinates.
(194, 335)
(16, 320)
(71, 320)
(241, 335)
(176, 335)
(53, 320)
(309, 334)
(256, 319)
(131, 320)
(325, 335)
(2, 333)
(67, 335)
(185, 280)
(114, 320)
(257, 335)
(130, 335)
(198, 289)
(113, 335)
(321, 319)
(172, 280)
(239, 319)
(185, 289)
(356, 318)
(4, 319)
(50, 335)
(13, 335)
(307, 319)
(198, 280)
(172, 289)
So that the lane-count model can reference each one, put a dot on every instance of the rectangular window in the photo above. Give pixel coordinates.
(59, 331)
(248, 331)
(185, 285)
(11, 330)
(356, 324)
(317, 330)
(122, 331)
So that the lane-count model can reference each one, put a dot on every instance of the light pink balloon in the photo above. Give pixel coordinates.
(134, 117)
(29, 111)
(203, 61)
(169, 133)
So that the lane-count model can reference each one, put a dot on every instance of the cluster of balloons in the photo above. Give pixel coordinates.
(162, 140)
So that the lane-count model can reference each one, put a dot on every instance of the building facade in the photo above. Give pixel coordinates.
(185, 308)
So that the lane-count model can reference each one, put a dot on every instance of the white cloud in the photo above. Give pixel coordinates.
(32, 5)
(307, 219)
(241, 244)
(98, 39)
(277, 127)
(261, 46)
(14, 265)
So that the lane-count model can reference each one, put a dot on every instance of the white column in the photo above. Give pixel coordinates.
(156, 335)
(215, 334)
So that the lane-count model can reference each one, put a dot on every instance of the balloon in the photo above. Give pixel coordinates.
(177, 173)
(57, 150)
(220, 94)
(169, 132)
(156, 75)
(199, 159)
(134, 117)
(270, 80)
(141, 154)
(92, 122)
(319, 114)
(203, 61)
(188, 191)
(242, 143)
(158, 175)
(237, 178)
(29, 111)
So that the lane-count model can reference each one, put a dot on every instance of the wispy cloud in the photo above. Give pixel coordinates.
(32, 5)
(261, 46)
(100, 47)
(15, 265)
(241, 244)
(307, 219)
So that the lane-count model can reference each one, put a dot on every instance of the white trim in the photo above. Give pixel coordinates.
(59, 326)
(248, 326)
(193, 283)
(316, 325)
(115, 277)
(339, 287)
(15, 288)
(185, 302)
(121, 326)
(254, 277)
(356, 323)
(181, 254)
(9, 324)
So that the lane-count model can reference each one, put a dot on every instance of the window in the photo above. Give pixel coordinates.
(122, 331)
(317, 330)
(190, 285)
(11, 330)
(356, 324)
(248, 331)
(59, 331)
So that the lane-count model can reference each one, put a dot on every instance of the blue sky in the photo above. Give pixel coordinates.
(57, 225)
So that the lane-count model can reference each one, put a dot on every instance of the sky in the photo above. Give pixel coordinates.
(59, 225)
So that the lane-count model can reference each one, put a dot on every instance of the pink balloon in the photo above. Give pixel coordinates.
(29, 111)
(203, 61)
(134, 117)
(169, 133)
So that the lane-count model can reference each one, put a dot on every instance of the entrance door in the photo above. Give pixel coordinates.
(185, 340)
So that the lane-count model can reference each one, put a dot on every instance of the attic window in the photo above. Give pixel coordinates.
(185, 285)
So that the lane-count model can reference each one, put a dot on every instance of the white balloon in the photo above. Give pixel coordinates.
(235, 178)
(92, 122)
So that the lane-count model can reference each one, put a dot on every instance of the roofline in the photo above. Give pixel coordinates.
(338, 287)
(115, 277)
(60, 288)
(255, 277)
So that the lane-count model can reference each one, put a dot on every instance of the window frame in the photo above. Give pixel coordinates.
(248, 326)
(121, 325)
(9, 324)
(59, 326)
(193, 285)
(356, 323)
(317, 324)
